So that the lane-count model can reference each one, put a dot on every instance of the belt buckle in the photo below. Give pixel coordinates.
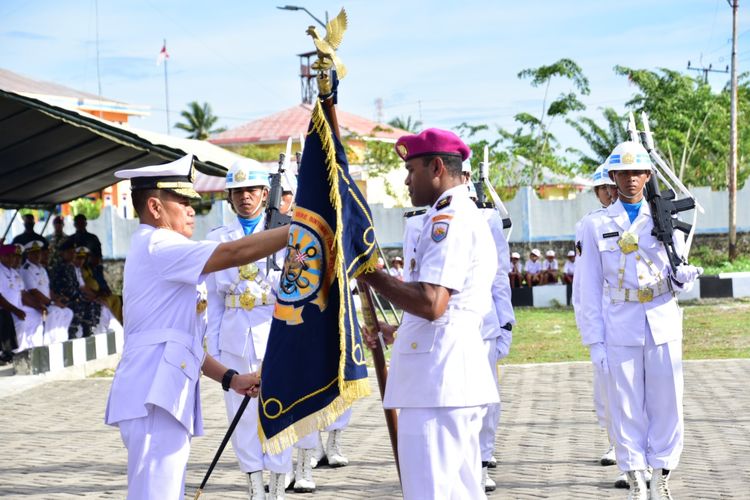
(645, 294)
(247, 301)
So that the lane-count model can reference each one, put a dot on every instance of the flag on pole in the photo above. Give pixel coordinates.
(314, 365)
(163, 54)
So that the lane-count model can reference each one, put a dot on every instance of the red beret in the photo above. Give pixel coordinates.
(7, 249)
(432, 141)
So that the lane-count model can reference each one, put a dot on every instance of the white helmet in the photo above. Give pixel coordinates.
(246, 173)
(628, 155)
(598, 177)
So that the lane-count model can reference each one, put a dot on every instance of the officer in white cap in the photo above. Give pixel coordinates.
(154, 397)
(240, 309)
(497, 328)
(600, 180)
(622, 260)
(27, 321)
(36, 283)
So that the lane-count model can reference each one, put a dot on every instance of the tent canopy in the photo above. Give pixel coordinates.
(51, 154)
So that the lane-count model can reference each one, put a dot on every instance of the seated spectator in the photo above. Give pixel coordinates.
(569, 268)
(9, 311)
(93, 276)
(28, 233)
(69, 285)
(55, 239)
(516, 270)
(36, 284)
(533, 268)
(397, 268)
(27, 321)
(82, 238)
(550, 268)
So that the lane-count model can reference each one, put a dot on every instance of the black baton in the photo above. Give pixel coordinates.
(223, 445)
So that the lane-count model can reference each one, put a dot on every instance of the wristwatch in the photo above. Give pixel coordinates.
(226, 380)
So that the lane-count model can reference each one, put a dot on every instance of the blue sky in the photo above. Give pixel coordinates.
(441, 62)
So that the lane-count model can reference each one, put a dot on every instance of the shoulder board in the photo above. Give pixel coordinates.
(444, 203)
(412, 213)
(484, 204)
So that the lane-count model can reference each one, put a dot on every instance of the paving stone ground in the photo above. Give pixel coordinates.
(55, 446)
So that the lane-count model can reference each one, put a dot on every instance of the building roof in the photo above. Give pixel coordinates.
(293, 122)
(57, 94)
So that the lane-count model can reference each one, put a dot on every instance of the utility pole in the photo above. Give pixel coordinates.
(706, 71)
(733, 139)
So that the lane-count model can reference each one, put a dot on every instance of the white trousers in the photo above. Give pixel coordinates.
(342, 422)
(29, 331)
(645, 387)
(600, 397)
(438, 451)
(490, 412)
(245, 439)
(58, 321)
(158, 448)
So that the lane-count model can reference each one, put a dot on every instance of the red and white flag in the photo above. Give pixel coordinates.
(163, 54)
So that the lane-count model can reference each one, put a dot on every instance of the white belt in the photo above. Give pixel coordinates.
(248, 301)
(643, 294)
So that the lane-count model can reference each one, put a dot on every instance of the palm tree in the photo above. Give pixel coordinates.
(199, 120)
(406, 124)
(601, 140)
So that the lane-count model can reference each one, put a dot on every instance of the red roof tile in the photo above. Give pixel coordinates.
(294, 121)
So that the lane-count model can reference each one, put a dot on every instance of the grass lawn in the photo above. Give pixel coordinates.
(712, 329)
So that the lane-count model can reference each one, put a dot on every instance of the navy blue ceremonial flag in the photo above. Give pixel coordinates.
(314, 366)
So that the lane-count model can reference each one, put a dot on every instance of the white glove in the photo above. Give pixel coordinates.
(687, 273)
(502, 349)
(599, 357)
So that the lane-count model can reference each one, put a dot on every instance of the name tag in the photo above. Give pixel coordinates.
(613, 234)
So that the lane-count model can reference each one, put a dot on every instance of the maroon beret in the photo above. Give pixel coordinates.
(432, 141)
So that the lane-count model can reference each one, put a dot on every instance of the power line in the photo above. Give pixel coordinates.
(707, 70)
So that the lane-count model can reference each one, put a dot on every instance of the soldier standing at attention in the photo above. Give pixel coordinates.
(240, 309)
(439, 375)
(637, 340)
(154, 398)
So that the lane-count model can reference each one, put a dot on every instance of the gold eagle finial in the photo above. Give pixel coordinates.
(326, 48)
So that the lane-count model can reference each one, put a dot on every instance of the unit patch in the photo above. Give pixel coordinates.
(579, 248)
(439, 231)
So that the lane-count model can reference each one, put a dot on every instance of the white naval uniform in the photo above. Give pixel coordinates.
(29, 331)
(154, 397)
(550, 266)
(569, 267)
(599, 379)
(238, 337)
(497, 340)
(58, 318)
(643, 340)
(439, 376)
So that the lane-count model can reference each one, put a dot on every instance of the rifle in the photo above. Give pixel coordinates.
(664, 205)
(484, 180)
(274, 217)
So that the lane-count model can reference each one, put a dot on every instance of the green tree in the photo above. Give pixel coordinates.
(601, 140)
(406, 123)
(199, 121)
(690, 123)
(532, 139)
(86, 206)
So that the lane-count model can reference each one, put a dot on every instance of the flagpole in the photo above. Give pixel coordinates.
(166, 86)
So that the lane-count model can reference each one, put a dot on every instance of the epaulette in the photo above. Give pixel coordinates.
(484, 204)
(444, 203)
(412, 213)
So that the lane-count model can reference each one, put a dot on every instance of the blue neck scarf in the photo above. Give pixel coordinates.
(248, 225)
(632, 209)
